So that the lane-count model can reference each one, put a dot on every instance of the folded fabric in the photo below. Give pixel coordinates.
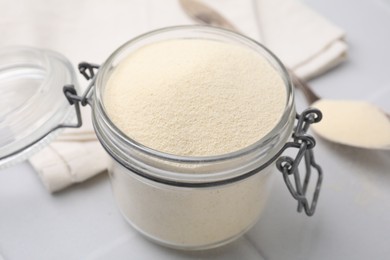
(74, 156)
(305, 42)
(63, 163)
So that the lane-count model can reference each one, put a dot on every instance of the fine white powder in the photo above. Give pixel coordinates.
(190, 218)
(195, 97)
(356, 123)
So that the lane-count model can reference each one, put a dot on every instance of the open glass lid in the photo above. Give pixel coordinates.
(32, 102)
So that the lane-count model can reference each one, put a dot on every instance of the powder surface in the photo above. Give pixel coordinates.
(356, 123)
(195, 97)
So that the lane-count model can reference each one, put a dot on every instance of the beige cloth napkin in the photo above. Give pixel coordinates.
(304, 40)
(73, 157)
(90, 30)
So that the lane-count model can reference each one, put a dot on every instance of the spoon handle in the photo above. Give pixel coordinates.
(204, 14)
(310, 96)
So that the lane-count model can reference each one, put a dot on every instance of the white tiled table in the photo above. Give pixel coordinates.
(353, 217)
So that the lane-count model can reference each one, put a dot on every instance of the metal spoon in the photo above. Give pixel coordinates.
(345, 122)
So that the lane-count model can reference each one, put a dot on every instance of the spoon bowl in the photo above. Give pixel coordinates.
(349, 122)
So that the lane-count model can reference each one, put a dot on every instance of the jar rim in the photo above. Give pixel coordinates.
(282, 71)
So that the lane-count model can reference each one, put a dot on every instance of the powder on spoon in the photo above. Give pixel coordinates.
(195, 97)
(355, 123)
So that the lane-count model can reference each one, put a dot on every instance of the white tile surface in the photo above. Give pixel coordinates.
(352, 221)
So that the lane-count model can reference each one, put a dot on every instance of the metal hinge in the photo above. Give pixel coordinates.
(87, 70)
(289, 166)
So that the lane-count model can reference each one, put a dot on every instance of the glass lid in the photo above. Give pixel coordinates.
(32, 102)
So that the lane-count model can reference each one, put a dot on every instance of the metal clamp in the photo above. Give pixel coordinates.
(87, 70)
(289, 166)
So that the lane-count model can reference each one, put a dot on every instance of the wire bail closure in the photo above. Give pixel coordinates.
(87, 70)
(289, 166)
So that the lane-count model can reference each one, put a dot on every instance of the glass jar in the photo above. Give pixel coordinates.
(197, 202)
(189, 202)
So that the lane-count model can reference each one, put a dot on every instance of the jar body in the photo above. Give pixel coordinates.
(190, 202)
(190, 218)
